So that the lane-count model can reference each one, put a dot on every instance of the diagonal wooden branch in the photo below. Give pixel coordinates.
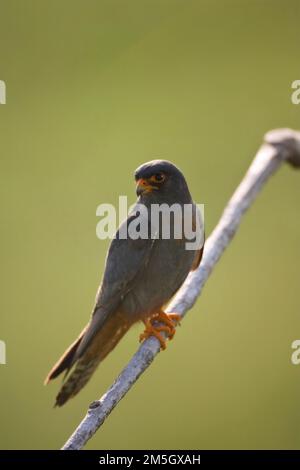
(281, 145)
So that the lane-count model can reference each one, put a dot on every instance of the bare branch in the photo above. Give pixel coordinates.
(279, 146)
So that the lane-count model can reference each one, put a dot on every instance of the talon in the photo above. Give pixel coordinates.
(169, 321)
(152, 330)
(175, 317)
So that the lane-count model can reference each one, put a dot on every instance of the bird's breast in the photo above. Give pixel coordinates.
(166, 270)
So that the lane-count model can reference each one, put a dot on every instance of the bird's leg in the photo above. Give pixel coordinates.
(169, 322)
(155, 330)
(169, 319)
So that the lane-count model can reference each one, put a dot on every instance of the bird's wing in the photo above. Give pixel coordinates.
(197, 259)
(125, 260)
(200, 222)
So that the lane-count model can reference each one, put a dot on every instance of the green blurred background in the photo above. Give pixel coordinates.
(94, 89)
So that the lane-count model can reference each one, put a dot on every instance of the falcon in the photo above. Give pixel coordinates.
(141, 276)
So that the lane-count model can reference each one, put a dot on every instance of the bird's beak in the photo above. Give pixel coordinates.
(143, 186)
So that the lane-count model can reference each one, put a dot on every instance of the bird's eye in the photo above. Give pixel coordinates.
(158, 177)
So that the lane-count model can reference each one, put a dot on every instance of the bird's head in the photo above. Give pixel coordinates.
(161, 179)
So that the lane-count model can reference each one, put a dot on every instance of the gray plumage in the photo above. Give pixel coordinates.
(140, 277)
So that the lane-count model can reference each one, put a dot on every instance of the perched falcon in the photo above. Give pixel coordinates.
(141, 276)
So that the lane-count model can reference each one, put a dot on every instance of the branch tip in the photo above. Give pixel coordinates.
(288, 143)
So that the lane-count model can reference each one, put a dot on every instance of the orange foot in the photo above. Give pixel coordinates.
(164, 322)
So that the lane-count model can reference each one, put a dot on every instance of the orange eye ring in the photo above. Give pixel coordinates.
(158, 178)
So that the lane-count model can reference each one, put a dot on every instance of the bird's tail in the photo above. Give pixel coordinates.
(104, 341)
